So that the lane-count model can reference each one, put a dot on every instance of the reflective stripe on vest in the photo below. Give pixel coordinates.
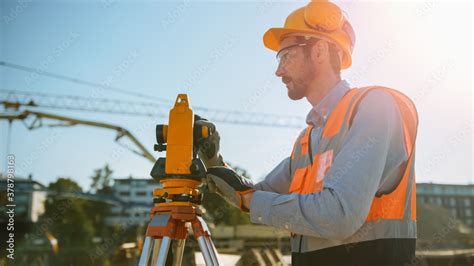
(308, 172)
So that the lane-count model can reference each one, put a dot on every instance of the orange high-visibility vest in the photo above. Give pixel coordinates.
(308, 170)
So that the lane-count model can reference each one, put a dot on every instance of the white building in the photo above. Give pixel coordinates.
(29, 198)
(137, 193)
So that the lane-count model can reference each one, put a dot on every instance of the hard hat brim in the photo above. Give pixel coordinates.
(273, 37)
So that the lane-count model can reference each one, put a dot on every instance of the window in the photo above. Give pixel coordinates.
(468, 212)
(467, 202)
(140, 193)
(446, 202)
(452, 202)
(139, 183)
(124, 193)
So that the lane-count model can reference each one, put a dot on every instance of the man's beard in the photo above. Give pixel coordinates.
(298, 89)
(301, 85)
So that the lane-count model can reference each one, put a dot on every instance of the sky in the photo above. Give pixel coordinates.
(213, 51)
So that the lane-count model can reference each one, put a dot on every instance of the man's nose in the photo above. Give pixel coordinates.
(280, 71)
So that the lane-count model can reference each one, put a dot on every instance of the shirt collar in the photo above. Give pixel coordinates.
(318, 115)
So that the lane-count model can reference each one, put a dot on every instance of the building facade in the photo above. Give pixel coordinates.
(137, 195)
(458, 199)
(29, 197)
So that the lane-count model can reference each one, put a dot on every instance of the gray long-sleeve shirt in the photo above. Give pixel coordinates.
(367, 162)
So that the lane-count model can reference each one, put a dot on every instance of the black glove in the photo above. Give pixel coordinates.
(209, 147)
(230, 185)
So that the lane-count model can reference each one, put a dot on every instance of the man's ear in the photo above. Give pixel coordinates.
(320, 51)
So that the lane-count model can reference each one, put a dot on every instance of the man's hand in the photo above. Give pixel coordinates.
(209, 147)
(231, 186)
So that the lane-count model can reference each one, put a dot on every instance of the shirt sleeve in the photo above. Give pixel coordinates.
(373, 145)
(278, 180)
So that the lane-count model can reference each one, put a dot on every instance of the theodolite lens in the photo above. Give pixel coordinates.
(161, 133)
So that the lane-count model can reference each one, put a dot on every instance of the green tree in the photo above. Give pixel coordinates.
(64, 184)
(66, 218)
(102, 180)
(98, 211)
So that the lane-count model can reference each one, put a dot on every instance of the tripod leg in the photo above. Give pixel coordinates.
(178, 250)
(146, 251)
(212, 249)
(156, 250)
(208, 249)
(163, 252)
(205, 250)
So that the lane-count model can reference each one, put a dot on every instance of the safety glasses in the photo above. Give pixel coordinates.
(285, 53)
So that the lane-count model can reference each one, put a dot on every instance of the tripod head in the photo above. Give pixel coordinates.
(181, 171)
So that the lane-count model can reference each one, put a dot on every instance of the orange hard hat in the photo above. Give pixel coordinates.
(320, 19)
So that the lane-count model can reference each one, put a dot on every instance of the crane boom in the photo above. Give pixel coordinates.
(68, 121)
(16, 99)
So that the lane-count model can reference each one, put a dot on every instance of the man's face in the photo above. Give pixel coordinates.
(295, 68)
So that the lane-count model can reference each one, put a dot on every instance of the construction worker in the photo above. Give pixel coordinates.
(347, 191)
